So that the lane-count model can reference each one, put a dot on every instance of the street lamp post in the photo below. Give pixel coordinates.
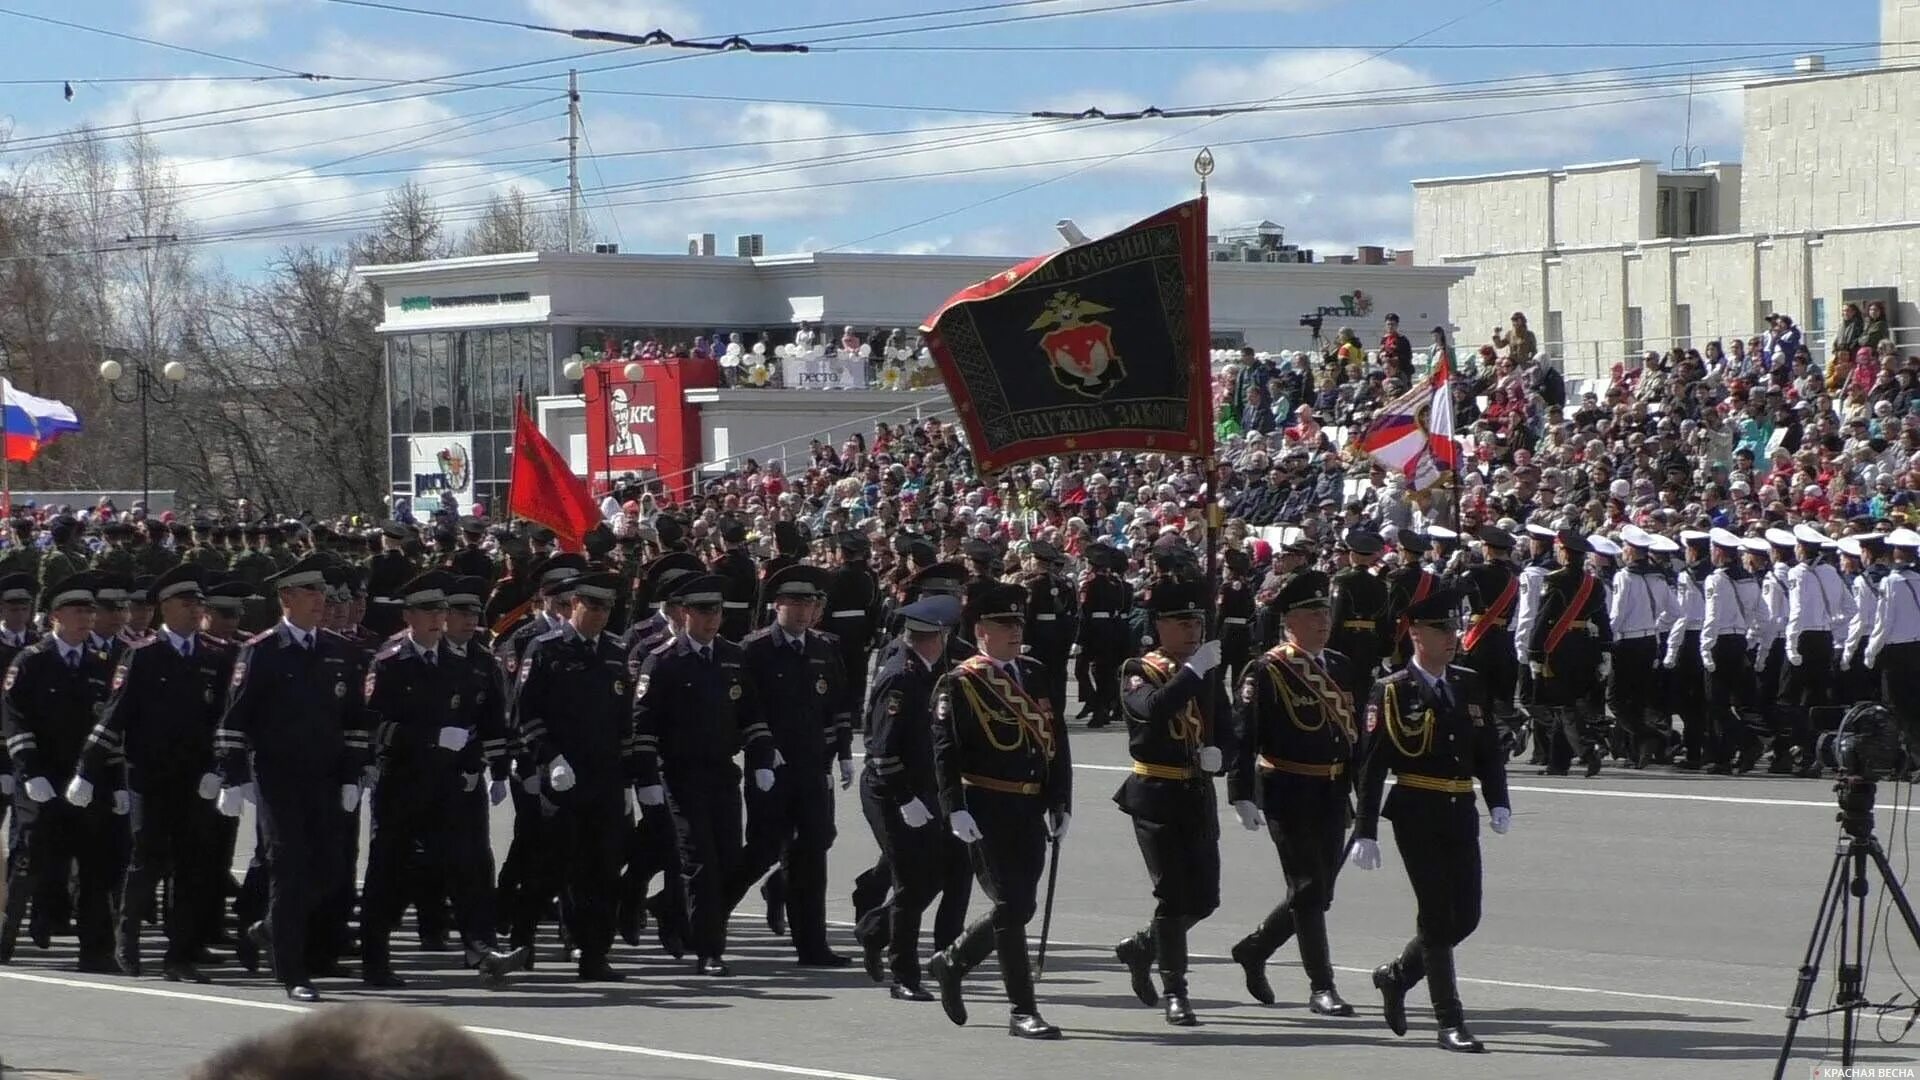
(160, 388)
(576, 369)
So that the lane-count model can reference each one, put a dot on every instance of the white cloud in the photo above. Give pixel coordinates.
(199, 22)
(626, 16)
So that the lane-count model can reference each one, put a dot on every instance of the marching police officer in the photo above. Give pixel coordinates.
(294, 740)
(1050, 621)
(652, 848)
(1295, 740)
(1006, 784)
(693, 711)
(1105, 602)
(1433, 729)
(1235, 611)
(166, 700)
(900, 799)
(387, 572)
(743, 582)
(575, 710)
(1361, 631)
(803, 692)
(852, 610)
(1567, 654)
(1175, 747)
(789, 544)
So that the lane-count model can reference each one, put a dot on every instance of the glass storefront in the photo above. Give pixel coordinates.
(463, 382)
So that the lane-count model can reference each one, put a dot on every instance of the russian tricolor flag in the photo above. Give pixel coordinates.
(33, 422)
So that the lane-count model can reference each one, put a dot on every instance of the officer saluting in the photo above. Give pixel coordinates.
(294, 739)
(900, 799)
(1431, 725)
(1006, 782)
(1170, 797)
(1295, 739)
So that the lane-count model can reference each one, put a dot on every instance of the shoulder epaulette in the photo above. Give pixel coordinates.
(548, 636)
(260, 638)
(390, 649)
(757, 635)
(136, 646)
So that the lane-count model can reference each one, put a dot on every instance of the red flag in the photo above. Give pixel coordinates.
(545, 491)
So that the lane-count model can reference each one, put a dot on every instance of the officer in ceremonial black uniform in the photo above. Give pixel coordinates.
(797, 678)
(386, 573)
(1407, 584)
(1005, 779)
(1105, 602)
(693, 709)
(1491, 587)
(1430, 724)
(16, 633)
(575, 711)
(1235, 612)
(166, 700)
(852, 611)
(743, 583)
(470, 560)
(1175, 746)
(1361, 630)
(1051, 615)
(294, 740)
(420, 701)
(1568, 655)
(52, 693)
(1295, 742)
(919, 855)
(789, 543)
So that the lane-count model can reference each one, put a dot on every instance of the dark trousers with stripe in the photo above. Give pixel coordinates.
(1009, 860)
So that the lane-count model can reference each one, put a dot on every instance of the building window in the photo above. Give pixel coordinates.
(1556, 336)
(1694, 220)
(1817, 329)
(1663, 212)
(1635, 339)
(1683, 326)
(399, 386)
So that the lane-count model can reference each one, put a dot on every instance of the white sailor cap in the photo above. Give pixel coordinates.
(1540, 531)
(1602, 545)
(1441, 532)
(1663, 545)
(1807, 534)
(1693, 536)
(1779, 537)
(1723, 538)
(1755, 545)
(1635, 536)
(1903, 537)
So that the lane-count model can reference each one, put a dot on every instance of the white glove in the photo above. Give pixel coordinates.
(1210, 760)
(1793, 659)
(846, 773)
(1057, 822)
(1707, 663)
(470, 781)
(1846, 660)
(1539, 669)
(652, 795)
(961, 823)
(369, 776)
(122, 802)
(633, 806)
(531, 785)
(763, 779)
(230, 802)
(1366, 854)
(79, 792)
(349, 797)
(6, 785)
(209, 786)
(249, 793)
(497, 792)
(915, 813)
(1667, 662)
(453, 738)
(1249, 815)
(560, 774)
(1501, 819)
(1205, 658)
(779, 760)
(1606, 667)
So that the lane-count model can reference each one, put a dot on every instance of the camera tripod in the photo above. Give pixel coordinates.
(1846, 881)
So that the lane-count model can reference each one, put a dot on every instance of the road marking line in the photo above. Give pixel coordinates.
(492, 1032)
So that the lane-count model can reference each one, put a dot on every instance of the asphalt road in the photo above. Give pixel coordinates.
(1636, 925)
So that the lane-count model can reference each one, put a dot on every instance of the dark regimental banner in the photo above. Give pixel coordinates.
(1102, 346)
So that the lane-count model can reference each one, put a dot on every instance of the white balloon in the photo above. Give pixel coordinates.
(759, 348)
(733, 348)
(926, 353)
(866, 351)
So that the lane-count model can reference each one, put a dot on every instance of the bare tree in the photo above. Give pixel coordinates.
(410, 230)
(512, 222)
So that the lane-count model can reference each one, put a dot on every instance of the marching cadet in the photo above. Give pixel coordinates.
(1567, 655)
(470, 560)
(652, 848)
(899, 796)
(1637, 610)
(1683, 652)
(693, 710)
(294, 740)
(165, 702)
(67, 557)
(1817, 601)
(16, 616)
(1288, 560)
(1407, 584)
(1361, 629)
(796, 677)
(1491, 587)
(52, 692)
(465, 646)
(386, 573)
(1170, 797)
(1050, 621)
(1771, 561)
(743, 582)
(1433, 730)
(852, 611)
(115, 558)
(1893, 649)
(22, 556)
(1526, 615)
(1295, 740)
(203, 553)
(419, 701)
(1005, 779)
(1235, 611)
(1732, 605)
(575, 710)
(789, 544)
(110, 594)
(1105, 601)
(1858, 681)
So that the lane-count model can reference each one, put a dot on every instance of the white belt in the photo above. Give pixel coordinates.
(1099, 614)
(850, 613)
(1046, 618)
(1648, 636)
(1235, 621)
(387, 600)
(735, 604)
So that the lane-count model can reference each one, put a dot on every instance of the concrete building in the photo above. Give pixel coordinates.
(464, 336)
(1611, 259)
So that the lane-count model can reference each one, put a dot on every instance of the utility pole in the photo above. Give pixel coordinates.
(573, 159)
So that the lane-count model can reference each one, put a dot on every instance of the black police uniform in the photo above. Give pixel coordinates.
(161, 714)
(739, 595)
(295, 729)
(1049, 636)
(575, 702)
(387, 572)
(1235, 613)
(1436, 744)
(1361, 630)
(852, 614)
(693, 710)
(1106, 600)
(1295, 728)
(1002, 757)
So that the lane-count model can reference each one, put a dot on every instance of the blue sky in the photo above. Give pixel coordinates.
(796, 146)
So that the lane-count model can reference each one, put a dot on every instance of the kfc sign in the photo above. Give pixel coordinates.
(635, 418)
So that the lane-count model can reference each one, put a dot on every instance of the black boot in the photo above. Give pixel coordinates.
(1247, 954)
(1460, 1040)
(1030, 1026)
(948, 977)
(774, 892)
(1393, 996)
(1179, 1012)
(1329, 1003)
(1170, 950)
(1136, 953)
(376, 966)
